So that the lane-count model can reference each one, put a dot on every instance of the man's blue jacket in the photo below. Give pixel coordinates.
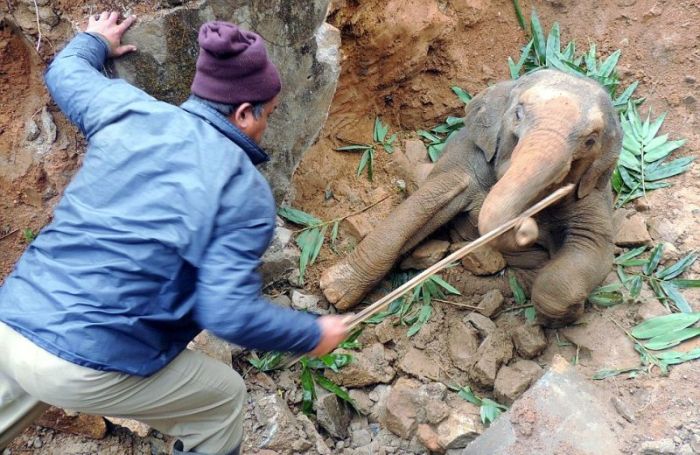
(158, 236)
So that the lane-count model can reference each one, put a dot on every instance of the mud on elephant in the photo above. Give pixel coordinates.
(522, 140)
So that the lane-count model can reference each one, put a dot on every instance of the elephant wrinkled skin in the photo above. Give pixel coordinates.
(522, 140)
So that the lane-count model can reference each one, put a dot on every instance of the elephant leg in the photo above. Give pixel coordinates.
(440, 198)
(582, 263)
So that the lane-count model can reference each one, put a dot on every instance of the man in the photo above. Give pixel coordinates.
(158, 236)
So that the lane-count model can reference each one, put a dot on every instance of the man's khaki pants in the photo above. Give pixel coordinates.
(194, 398)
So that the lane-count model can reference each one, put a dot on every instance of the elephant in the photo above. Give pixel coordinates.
(522, 139)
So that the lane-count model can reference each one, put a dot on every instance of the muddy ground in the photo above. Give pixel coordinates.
(400, 59)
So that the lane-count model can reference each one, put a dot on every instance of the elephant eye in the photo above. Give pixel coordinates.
(590, 142)
(519, 112)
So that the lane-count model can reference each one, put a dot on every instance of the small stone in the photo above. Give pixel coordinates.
(214, 347)
(306, 302)
(458, 430)
(429, 438)
(362, 401)
(401, 408)
(387, 331)
(436, 411)
(484, 261)
(660, 447)
(417, 363)
(37, 443)
(281, 258)
(496, 350)
(282, 300)
(370, 366)
(279, 428)
(427, 254)
(690, 79)
(670, 253)
(491, 303)
(641, 204)
(333, 415)
(510, 384)
(32, 130)
(622, 409)
(359, 225)
(138, 428)
(360, 438)
(661, 228)
(632, 232)
(416, 151)
(484, 325)
(462, 344)
(529, 340)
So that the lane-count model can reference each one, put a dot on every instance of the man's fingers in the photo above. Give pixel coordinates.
(126, 23)
(103, 16)
(121, 50)
(112, 18)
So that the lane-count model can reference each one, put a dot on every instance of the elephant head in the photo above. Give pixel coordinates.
(544, 130)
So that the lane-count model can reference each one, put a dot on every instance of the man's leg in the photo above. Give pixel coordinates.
(194, 398)
(17, 410)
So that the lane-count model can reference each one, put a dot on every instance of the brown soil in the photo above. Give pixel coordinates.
(400, 60)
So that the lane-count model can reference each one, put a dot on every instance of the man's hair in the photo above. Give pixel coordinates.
(228, 109)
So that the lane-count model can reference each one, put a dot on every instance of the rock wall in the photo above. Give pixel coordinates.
(304, 47)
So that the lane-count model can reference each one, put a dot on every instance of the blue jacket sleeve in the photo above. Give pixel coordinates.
(229, 302)
(87, 97)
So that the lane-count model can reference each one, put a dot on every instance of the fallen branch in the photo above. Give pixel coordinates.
(457, 304)
(8, 234)
(38, 26)
(335, 220)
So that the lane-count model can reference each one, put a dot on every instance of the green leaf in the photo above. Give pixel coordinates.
(267, 362)
(675, 295)
(428, 136)
(445, 285)
(606, 299)
(333, 388)
(318, 243)
(334, 232)
(607, 68)
(675, 167)
(664, 324)
(434, 151)
(462, 94)
(677, 268)
(350, 148)
(630, 254)
(425, 312)
(608, 373)
(490, 410)
(662, 150)
(518, 291)
(530, 314)
(671, 339)
(553, 44)
(515, 69)
(28, 235)
(308, 391)
(654, 260)
(467, 394)
(635, 286)
(686, 283)
(538, 38)
(674, 358)
(297, 216)
(519, 15)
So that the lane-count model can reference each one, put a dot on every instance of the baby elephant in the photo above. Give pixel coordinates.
(523, 139)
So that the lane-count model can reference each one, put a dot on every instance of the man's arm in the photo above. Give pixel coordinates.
(75, 82)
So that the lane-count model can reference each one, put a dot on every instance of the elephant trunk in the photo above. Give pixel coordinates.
(539, 161)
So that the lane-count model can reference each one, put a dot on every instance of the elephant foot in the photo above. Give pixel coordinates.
(342, 286)
(556, 314)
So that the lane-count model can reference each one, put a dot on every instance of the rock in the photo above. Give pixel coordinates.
(662, 229)
(417, 363)
(416, 152)
(387, 331)
(484, 325)
(379, 395)
(483, 261)
(310, 429)
(491, 303)
(557, 415)
(496, 350)
(607, 345)
(360, 438)
(214, 347)
(90, 426)
(458, 430)
(401, 414)
(280, 429)
(429, 438)
(510, 384)
(641, 204)
(282, 300)
(660, 447)
(280, 258)
(332, 414)
(462, 344)
(138, 428)
(528, 368)
(670, 253)
(529, 340)
(369, 366)
(362, 401)
(622, 409)
(305, 302)
(632, 231)
(427, 254)
(360, 225)
(436, 411)
(32, 130)
(304, 48)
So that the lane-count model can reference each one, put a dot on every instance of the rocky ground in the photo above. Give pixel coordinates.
(399, 61)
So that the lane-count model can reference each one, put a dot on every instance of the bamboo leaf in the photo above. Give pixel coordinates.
(317, 244)
(519, 15)
(308, 391)
(630, 254)
(673, 357)
(518, 291)
(664, 324)
(334, 232)
(675, 295)
(445, 285)
(350, 148)
(462, 94)
(607, 68)
(466, 394)
(671, 339)
(608, 373)
(677, 268)
(686, 283)
(425, 312)
(654, 260)
(298, 216)
(662, 150)
(635, 286)
(530, 314)
(538, 38)
(553, 44)
(333, 388)
(490, 410)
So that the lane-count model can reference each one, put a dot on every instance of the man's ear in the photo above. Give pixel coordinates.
(243, 116)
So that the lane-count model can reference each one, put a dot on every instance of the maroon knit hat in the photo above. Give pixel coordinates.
(233, 66)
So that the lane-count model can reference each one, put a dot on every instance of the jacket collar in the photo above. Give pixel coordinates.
(221, 123)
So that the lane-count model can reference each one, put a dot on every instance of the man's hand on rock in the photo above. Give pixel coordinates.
(334, 330)
(106, 25)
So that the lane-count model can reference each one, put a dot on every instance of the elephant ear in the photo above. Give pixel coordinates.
(599, 173)
(484, 114)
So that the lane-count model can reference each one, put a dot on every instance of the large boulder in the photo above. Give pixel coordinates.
(305, 49)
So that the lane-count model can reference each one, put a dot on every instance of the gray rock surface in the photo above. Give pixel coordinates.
(280, 428)
(304, 48)
(332, 414)
(529, 340)
(369, 366)
(559, 414)
(491, 303)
